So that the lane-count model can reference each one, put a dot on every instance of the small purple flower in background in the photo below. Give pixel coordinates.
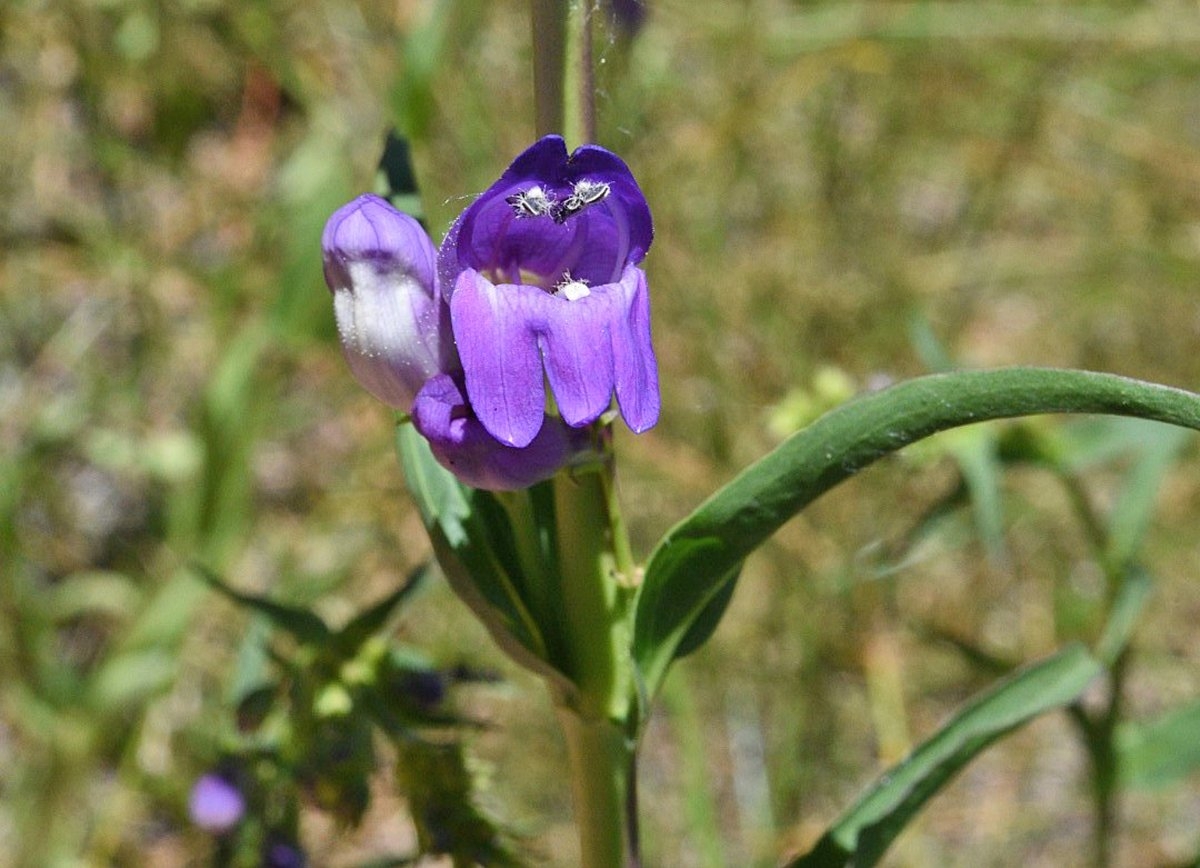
(542, 277)
(627, 16)
(424, 687)
(537, 280)
(379, 263)
(283, 854)
(216, 804)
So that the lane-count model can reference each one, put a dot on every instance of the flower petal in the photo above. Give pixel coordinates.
(578, 353)
(496, 330)
(369, 228)
(625, 196)
(601, 343)
(463, 446)
(633, 356)
(215, 803)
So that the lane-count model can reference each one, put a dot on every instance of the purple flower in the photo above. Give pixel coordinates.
(541, 271)
(215, 804)
(283, 854)
(627, 16)
(537, 281)
(379, 263)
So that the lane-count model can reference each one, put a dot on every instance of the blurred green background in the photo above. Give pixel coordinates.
(843, 192)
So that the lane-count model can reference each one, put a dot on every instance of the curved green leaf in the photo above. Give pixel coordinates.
(374, 618)
(861, 835)
(692, 563)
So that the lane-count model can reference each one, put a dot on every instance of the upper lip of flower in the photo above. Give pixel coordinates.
(552, 214)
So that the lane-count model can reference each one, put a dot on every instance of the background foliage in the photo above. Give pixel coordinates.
(844, 193)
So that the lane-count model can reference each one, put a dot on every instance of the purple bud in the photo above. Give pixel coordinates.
(215, 804)
(281, 854)
(463, 446)
(425, 687)
(381, 267)
(627, 16)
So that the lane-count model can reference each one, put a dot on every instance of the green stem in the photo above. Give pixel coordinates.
(595, 614)
(580, 88)
(549, 20)
(1099, 731)
(602, 771)
(627, 569)
(564, 86)
(597, 628)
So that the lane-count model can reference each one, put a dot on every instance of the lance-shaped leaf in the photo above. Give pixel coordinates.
(371, 620)
(860, 837)
(696, 559)
(301, 623)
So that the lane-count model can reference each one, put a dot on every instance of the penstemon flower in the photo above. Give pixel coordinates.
(537, 280)
(543, 281)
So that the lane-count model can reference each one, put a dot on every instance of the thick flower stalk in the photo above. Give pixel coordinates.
(537, 281)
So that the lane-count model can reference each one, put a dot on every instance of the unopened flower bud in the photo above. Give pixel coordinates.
(381, 267)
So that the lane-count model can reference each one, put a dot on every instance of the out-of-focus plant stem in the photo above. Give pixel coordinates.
(1098, 732)
(549, 20)
(579, 123)
(563, 80)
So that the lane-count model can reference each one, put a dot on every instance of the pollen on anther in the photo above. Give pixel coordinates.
(572, 290)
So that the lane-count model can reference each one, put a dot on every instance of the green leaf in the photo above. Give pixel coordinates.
(301, 623)
(479, 568)
(1132, 594)
(370, 621)
(979, 465)
(93, 592)
(1159, 448)
(710, 616)
(1160, 752)
(861, 836)
(692, 563)
(128, 679)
